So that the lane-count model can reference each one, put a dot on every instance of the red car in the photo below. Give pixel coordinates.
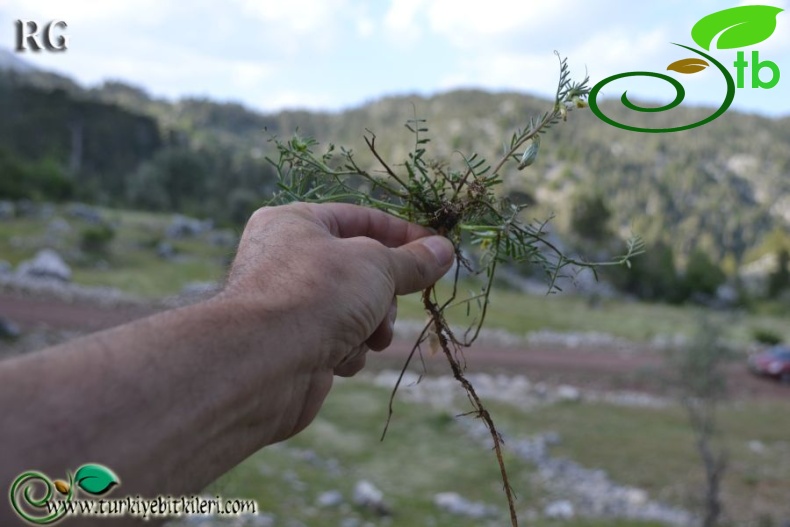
(774, 362)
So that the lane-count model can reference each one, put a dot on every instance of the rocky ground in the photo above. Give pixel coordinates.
(580, 491)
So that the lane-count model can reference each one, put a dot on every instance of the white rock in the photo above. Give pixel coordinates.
(58, 227)
(330, 498)
(560, 510)
(635, 497)
(454, 503)
(758, 447)
(8, 330)
(568, 393)
(46, 264)
(184, 227)
(7, 210)
(367, 495)
(84, 212)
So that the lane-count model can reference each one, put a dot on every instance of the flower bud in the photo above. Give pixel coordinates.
(530, 154)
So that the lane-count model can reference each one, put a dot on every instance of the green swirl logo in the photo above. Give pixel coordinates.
(24, 487)
(32, 493)
(736, 27)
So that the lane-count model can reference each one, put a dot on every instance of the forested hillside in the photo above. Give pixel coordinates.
(719, 190)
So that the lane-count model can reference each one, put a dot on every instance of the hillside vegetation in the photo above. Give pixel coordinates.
(719, 191)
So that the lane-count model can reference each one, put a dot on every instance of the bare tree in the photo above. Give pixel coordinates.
(697, 377)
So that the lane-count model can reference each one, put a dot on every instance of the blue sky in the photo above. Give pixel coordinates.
(332, 54)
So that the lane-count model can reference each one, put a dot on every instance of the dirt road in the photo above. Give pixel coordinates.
(592, 367)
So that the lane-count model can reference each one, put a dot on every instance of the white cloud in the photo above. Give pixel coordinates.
(778, 3)
(365, 26)
(603, 54)
(89, 11)
(464, 20)
(403, 20)
(471, 24)
(619, 50)
(248, 49)
(302, 17)
(402, 14)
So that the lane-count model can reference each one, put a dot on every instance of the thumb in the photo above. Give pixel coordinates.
(421, 263)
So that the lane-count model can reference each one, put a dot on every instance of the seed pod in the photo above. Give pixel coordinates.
(530, 154)
(62, 486)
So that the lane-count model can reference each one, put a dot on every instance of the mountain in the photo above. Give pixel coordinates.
(720, 189)
(10, 61)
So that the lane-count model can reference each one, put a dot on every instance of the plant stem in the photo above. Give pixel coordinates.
(441, 329)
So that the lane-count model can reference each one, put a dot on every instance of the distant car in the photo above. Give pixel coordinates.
(775, 362)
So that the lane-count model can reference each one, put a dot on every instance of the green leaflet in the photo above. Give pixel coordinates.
(739, 26)
(95, 479)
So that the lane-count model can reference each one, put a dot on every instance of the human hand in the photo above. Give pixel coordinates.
(311, 289)
(330, 275)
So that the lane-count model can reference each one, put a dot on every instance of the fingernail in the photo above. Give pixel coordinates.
(441, 248)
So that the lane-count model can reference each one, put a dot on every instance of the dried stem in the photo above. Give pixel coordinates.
(442, 332)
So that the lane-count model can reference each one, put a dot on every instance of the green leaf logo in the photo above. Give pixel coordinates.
(739, 26)
(95, 479)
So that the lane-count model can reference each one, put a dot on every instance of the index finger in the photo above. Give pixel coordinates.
(348, 221)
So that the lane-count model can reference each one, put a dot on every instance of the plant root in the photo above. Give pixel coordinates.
(446, 339)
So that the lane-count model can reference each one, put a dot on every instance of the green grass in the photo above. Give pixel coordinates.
(15, 236)
(425, 453)
(654, 449)
(153, 277)
(135, 268)
(638, 321)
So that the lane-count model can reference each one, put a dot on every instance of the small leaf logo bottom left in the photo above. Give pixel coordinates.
(95, 479)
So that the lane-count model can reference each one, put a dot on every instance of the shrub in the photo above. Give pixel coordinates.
(96, 239)
(766, 336)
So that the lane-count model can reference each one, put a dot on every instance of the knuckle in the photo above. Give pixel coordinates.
(259, 216)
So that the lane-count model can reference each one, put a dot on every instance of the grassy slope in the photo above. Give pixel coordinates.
(654, 449)
(135, 268)
(425, 453)
(521, 313)
(133, 263)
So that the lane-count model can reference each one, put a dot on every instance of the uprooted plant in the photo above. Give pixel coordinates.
(459, 201)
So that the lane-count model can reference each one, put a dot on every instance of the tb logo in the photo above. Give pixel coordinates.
(737, 27)
(29, 36)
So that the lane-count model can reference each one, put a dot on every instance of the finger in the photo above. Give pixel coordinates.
(349, 221)
(420, 264)
(381, 337)
(351, 367)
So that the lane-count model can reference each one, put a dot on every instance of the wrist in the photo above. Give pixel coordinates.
(276, 362)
